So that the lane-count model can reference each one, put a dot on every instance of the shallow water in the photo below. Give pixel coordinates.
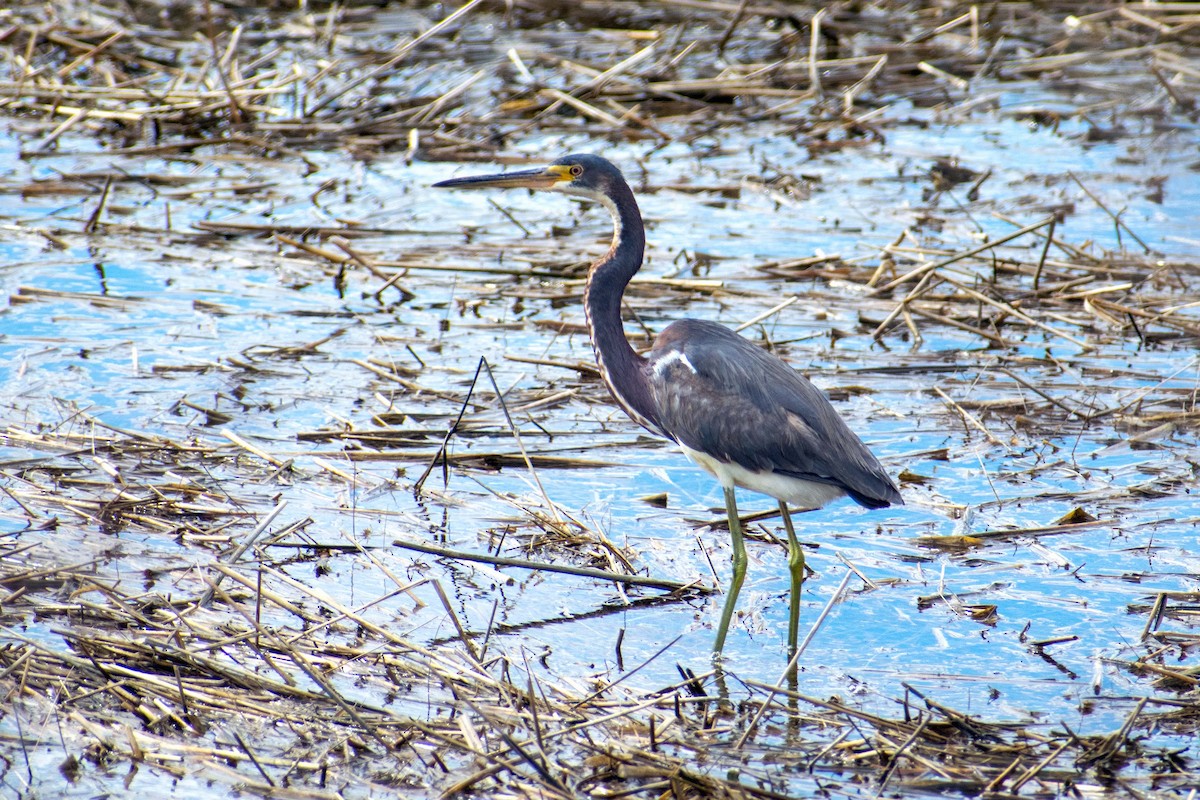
(165, 316)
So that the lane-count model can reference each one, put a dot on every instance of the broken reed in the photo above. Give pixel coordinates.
(243, 649)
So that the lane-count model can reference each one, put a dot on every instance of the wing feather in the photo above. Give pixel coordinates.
(721, 395)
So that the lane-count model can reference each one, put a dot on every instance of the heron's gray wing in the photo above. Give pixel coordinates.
(719, 394)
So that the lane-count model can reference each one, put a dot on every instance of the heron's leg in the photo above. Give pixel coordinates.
(796, 568)
(739, 568)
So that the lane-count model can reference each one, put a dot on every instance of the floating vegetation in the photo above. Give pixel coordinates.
(309, 487)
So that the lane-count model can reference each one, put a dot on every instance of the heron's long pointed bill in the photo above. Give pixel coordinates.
(543, 178)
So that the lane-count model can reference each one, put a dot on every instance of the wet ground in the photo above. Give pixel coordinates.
(230, 362)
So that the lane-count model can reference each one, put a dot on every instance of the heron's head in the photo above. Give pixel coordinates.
(582, 175)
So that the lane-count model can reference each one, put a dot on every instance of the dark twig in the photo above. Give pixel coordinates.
(585, 572)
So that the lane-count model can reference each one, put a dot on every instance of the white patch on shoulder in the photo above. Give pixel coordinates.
(796, 491)
(664, 363)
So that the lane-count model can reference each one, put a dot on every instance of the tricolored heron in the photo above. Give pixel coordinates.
(736, 410)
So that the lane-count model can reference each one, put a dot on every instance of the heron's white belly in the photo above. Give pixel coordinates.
(796, 491)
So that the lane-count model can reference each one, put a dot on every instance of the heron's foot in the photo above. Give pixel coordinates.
(720, 678)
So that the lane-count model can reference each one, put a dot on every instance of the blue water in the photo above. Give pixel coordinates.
(171, 316)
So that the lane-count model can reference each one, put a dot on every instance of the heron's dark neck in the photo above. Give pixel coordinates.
(622, 368)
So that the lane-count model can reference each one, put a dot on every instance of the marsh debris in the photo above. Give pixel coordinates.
(239, 549)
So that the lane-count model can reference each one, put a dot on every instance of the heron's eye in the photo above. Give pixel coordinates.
(576, 171)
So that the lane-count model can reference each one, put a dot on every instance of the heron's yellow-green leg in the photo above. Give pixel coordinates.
(796, 568)
(739, 568)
